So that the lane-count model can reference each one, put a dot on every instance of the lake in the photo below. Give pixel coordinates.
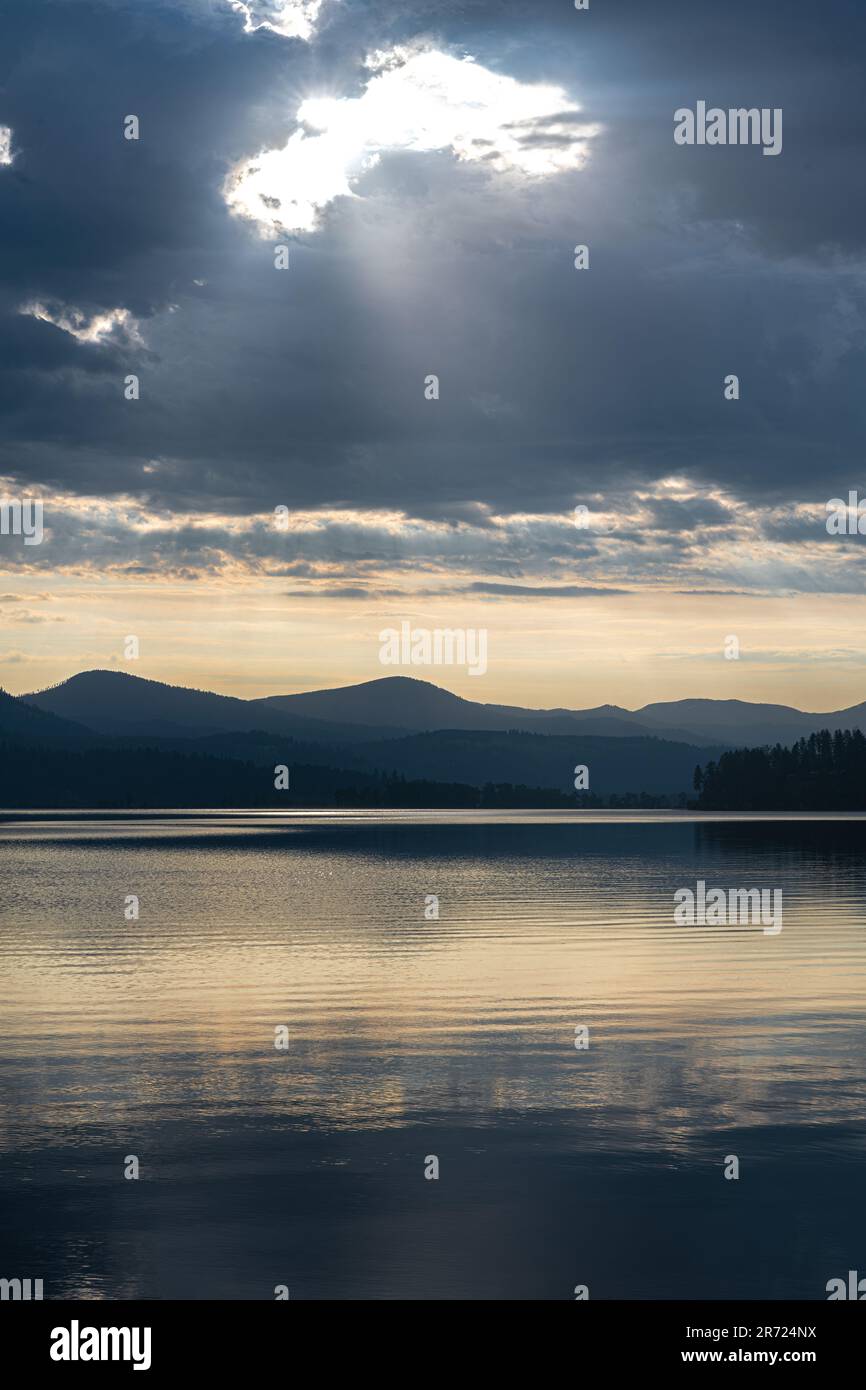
(413, 1042)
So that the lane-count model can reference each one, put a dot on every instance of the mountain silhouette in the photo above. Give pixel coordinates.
(116, 702)
(109, 738)
(22, 721)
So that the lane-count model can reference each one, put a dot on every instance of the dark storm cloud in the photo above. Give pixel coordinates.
(698, 512)
(306, 387)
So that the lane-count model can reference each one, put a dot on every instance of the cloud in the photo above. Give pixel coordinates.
(537, 590)
(348, 591)
(6, 155)
(293, 19)
(26, 617)
(558, 387)
(117, 324)
(419, 100)
(370, 555)
(693, 514)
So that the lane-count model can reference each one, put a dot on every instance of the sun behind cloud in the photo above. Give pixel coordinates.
(418, 99)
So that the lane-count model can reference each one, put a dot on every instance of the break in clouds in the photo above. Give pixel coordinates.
(431, 170)
(294, 19)
(418, 100)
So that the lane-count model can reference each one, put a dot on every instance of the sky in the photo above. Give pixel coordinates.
(288, 483)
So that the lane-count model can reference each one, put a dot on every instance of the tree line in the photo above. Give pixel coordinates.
(824, 772)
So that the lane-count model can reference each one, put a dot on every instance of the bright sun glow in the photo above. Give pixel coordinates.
(294, 19)
(419, 100)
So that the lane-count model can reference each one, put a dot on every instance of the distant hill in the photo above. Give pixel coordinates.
(616, 765)
(467, 757)
(118, 703)
(115, 702)
(22, 721)
(420, 707)
(625, 764)
(362, 745)
(737, 722)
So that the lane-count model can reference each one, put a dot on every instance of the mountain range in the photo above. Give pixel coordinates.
(114, 702)
(391, 741)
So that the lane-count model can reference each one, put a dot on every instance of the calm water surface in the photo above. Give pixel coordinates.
(410, 1038)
